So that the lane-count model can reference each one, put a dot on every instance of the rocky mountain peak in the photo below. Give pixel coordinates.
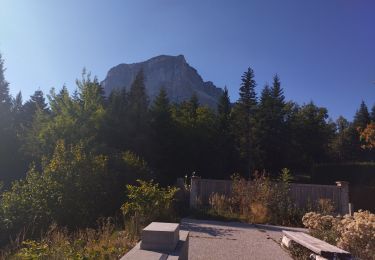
(173, 73)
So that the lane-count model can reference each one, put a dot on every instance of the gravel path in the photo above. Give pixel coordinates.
(231, 240)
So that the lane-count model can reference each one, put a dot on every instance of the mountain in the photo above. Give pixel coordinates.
(173, 73)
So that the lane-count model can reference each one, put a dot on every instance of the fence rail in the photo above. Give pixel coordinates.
(301, 194)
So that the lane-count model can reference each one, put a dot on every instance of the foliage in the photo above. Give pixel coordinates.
(271, 128)
(368, 136)
(356, 173)
(71, 190)
(83, 147)
(244, 113)
(148, 202)
(352, 233)
(74, 119)
(299, 252)
(321, 226)
(105, 242)
(221, 205)
(264, 201)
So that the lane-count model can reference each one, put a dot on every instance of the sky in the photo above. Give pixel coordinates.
(323, 50)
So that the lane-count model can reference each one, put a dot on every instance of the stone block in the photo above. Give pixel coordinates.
(160, 236)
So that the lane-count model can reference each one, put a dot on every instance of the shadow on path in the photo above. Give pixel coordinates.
(212, 231)
(215, 227)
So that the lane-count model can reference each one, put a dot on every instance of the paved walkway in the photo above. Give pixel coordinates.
(231, 240)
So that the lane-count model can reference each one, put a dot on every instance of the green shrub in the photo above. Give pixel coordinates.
(70, 191)
(146, 203)
(105, 242)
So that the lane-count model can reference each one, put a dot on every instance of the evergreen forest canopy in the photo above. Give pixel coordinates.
(256, 133)
(80, 149)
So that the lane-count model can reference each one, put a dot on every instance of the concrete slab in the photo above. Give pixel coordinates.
(138, 254)
(216, 240)
(182, 249)
(179, 253)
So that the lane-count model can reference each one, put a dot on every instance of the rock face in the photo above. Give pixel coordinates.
(179, 79)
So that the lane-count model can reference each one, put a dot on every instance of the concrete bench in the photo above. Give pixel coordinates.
(161, 241)
(319, 247)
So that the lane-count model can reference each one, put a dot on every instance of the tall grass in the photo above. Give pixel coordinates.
(108, 241)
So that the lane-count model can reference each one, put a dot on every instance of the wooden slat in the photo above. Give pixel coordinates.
(316, 245)
(303, 195)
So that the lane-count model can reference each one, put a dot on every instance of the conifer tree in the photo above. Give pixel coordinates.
(17, 104)
(225, 140)
(163, 138)
(277, 94)
(116, 127)
(245, 110)
(362, 116)
(11, 164)
(138, 115)
(5, 98)
(224, 109)
(37, 100)
(138, 100)
(160, 109)
(193, 106)
(373, 113)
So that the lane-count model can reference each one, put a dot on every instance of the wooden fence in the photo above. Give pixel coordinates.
(302, 195)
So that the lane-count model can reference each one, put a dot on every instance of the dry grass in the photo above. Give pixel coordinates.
(259, 213)
(105, 242)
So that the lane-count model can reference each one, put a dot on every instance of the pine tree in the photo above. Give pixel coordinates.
(163, 138)
(247, 93)
(373, 113)
(160, 109)
(10, 161)
(138, 100)
(266, 98)
(38, 99)
(362, 117)
(270, 128)
(245, 110)
(5, 98)
(224, 109)
(226, 152)
(277, 94)
(138, 115)
(193, 106)
(116, 125)
(17, 104)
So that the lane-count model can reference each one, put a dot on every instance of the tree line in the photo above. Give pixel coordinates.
(68, 160)
(264, 132)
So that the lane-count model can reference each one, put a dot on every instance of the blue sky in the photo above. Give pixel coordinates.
(323, 50)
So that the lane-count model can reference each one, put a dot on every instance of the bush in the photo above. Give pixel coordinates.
(146, 203)
(103, 243)
(321, 226)
(264, 201)
(70, 191)
(355, 234)
(73, 189)
(221, 204)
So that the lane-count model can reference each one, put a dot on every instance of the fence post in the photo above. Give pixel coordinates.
(344, 196)
(194, 191)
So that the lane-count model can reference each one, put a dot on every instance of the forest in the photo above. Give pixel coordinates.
(66, 157)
